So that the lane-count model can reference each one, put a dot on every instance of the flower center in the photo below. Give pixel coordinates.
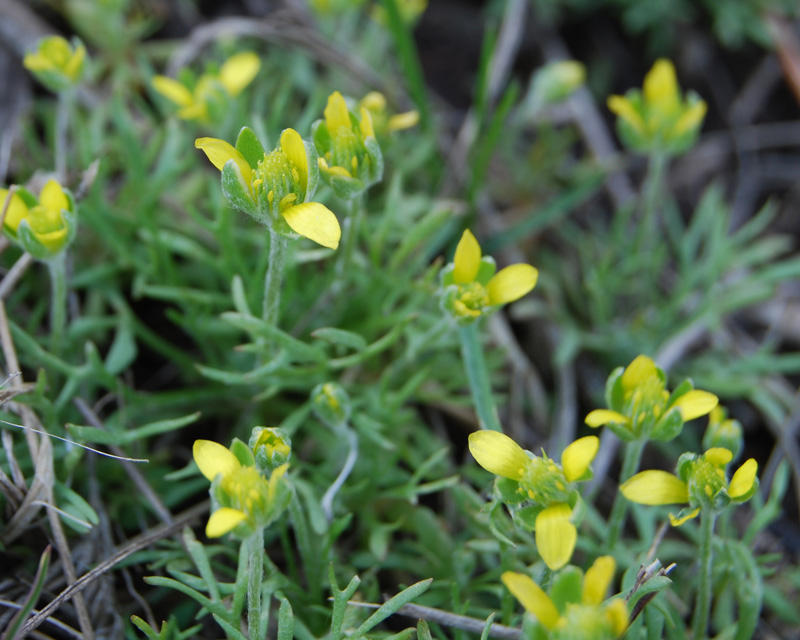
(246, 490)
(705, 482)
(279, 179)
(544, 482)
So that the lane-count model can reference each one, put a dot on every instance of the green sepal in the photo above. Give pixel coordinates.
(375, 156)
(526, 517)
(344, 187)
(669, 427)
(508, 491)
(622, 431)
(313, 170)
(237, 191)
(242, 452)
(320, 136)
(447, 275)
(248, 144)
(614, 392)
(28, 198)
(682, 389)
(685, 464)
(486, 270)
(567, 587)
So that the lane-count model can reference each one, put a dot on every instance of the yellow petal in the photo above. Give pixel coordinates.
(599, 417)
(555, 535)
(467, 259)
(336, 113)
(366, 124)
(597, 579)
(511, 283)
(743, 479)
(37, 62)
(238, 71)
(690, 119)
(219, 152)
(53, 240)
(172, 90)
(498, 454)
(374, 101)
(195, 111)
(315, 222)
(642, 368)
(617, 614)
(16, 212)
(655, 487)
(718, 456)
(53, 197)
(274, 480)
(404, 120)
(578, 456)
(333, 171)
(661, 86)
(626, 111)
(222, 521)
(292, 145)
(75, 65)
(677, 522)
(214, 459)
(696, 403)
(531, 596)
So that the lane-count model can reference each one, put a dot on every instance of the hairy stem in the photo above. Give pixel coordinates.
(273, 282)
(478, 376)
(255, 579)
(58, 300)
(630, 465)
(700, 621)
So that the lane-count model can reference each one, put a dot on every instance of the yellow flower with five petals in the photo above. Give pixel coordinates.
(471, 287)
(243, 499)
(56, 63)
(701, 482)
(576, 614)
(541, 493)
(639, 405)
(275, 188)
(658, 118)
(212, 90)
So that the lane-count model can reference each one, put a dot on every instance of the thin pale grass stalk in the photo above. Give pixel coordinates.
(349, 463)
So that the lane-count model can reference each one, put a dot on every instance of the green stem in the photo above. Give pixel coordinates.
(630, 465)
(63, 108)
(651, 191)
(700, 621)
(58, 301)
(274, 278)
(478, 376)
(255, 579)
(349, 239)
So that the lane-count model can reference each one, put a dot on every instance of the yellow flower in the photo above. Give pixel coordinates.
(641, 407)
(275, 187)
(471, 286)
(574, 615)
(702, 483)
(350, 157)
(382, 122)
(658, 118)
(243, 498)
(723, 432)
(56, 63)
(211, 88)
(540, 481)
(44, 227)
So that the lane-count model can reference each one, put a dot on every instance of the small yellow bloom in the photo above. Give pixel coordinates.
(382, 122)
(350, 157)
(641, 407)
(56, 63)
(542, 482)
(471, 286)
(702, 484)
(275, 187)
(574, 616)
(658, 118)
(45, 227)
(241, 495)
(212, 91)
(555, 82)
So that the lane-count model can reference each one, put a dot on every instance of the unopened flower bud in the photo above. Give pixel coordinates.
(331, 404)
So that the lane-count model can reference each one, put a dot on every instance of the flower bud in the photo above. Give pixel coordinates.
(722, 432)
(271, 448)
(331, 404)
(556, 82)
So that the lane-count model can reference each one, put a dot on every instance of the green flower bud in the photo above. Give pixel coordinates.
(56, 63)
(271, 448)
(722, 432)
(331, 404)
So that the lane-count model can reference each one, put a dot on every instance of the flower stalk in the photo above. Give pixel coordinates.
(255, 579)
(479, 385)
(700, 622)
(57, 265)
(63, 109)
(273, 280)
(630, 465)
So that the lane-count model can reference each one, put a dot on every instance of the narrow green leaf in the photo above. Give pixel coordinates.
(392, 605)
